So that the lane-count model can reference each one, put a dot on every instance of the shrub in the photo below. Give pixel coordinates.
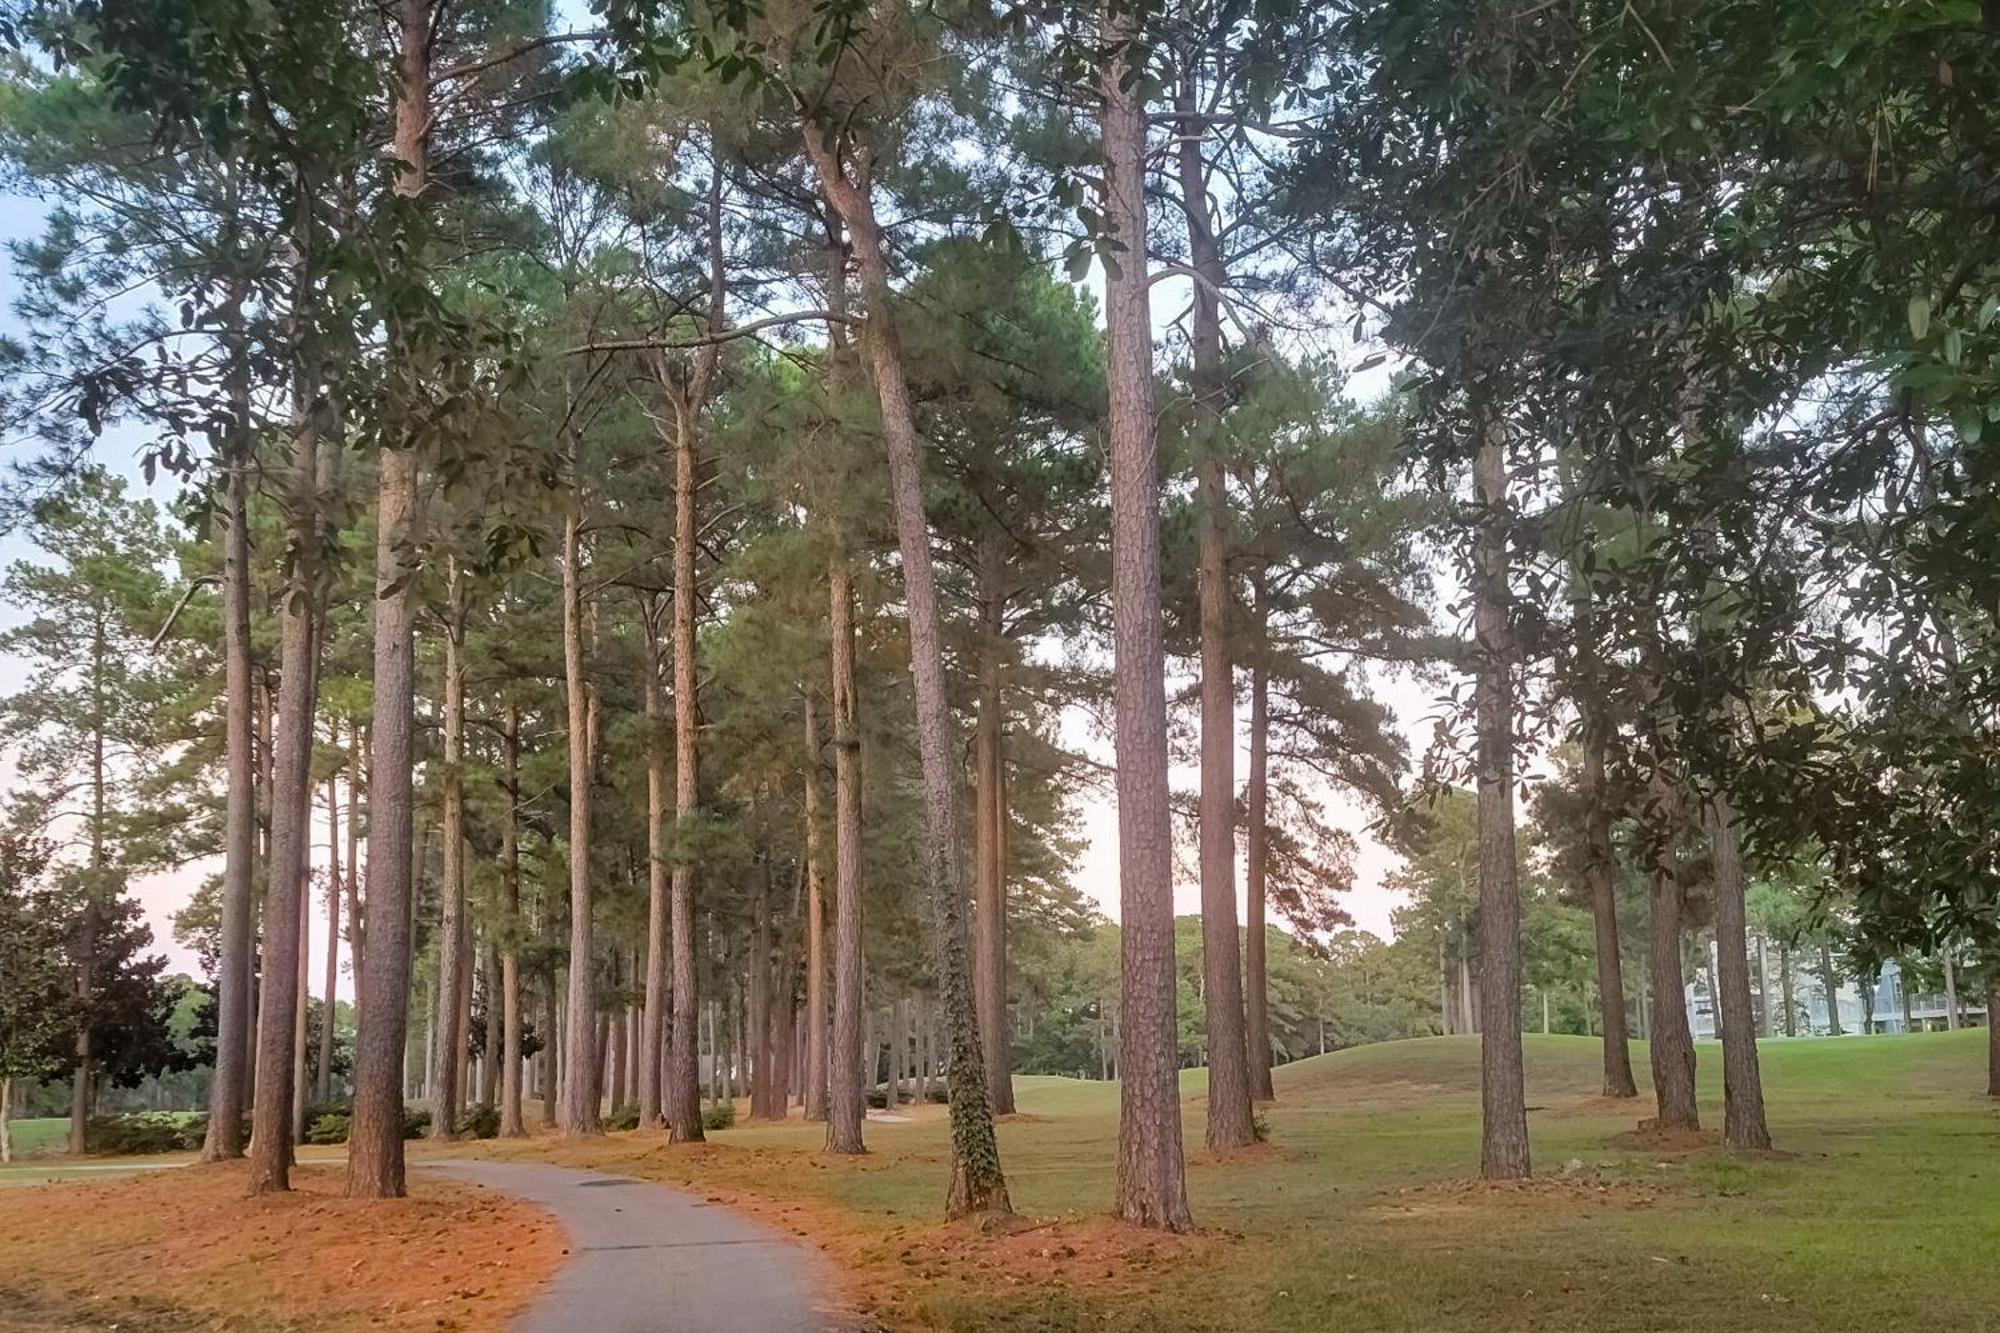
(720, 1116)
(623, 1117)
(415, 1122)
(328, 1127)
(481, 1122)
(145, 1132)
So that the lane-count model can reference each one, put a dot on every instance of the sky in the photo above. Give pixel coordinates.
(1096, 873)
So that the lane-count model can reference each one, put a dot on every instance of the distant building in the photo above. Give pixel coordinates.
(1926, 1012)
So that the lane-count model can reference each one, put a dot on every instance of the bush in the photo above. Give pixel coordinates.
(483, 1122)
(328, 1127)
(720, 1116)
(940, 1094)
(415, 1123)
(623, 1117)
(145, 1132)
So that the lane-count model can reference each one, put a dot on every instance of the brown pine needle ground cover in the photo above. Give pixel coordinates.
(1363, 1214)
(174, 1251)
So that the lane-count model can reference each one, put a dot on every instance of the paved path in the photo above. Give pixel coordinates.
(645, 1258)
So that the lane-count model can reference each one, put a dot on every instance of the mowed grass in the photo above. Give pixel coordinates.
(39, 1138)
(1363, 1213)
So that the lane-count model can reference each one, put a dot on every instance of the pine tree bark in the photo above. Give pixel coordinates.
(375, 1136)
(1503, 1151)
(512, 1126)
(683, 1106)
(447, 1056)
(578, 1111)
(653, 1021)
(815, 1010)
(846, 1106)
(1599, 864)
(977, 1183)
(989, 915)
(1152, 1188)
(1229, 1119)
(323, 1086)
(279, 1031)
(1743, 1123)
(1672, 1043)
(1992, 971)
(1256, 855)
(223, 1138)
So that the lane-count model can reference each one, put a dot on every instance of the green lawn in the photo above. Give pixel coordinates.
(1360, 1216)
(36, 1138)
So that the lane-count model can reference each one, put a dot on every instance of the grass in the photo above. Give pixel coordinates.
(40, 1138)
(1361, 1213)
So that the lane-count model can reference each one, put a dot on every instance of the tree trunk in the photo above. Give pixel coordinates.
(6, 1121)
(680, 1095)
(1831, 985)
(447, 1095)
(845, 1104)
(1742, 1082)
(1785, 984)
(815, 1012)
(1950, 991)
(357, 938)
(278, 1031)
(578, 1111)
(1599, 863)
(323, 1088)
(1256, 800)
(654, 1024)
(1672, 1044)
(227, 1090)
(989, 915)
(1229, 1119)
(1992, 971)
(977, 1184)
(758, 995)
(1903, 994)
(512, 1126)
(375, 1138)
(299, 1030)
(1503, 1095)
(1152, 1187)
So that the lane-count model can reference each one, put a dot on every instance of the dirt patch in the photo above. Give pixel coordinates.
(1460, 1198)
(186, 1241)
(1649, 1137)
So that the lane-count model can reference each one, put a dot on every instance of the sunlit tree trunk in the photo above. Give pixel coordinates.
(977, 1184)
(1151, 1171)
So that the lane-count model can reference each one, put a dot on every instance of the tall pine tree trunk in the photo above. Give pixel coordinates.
(1503, 1153)
(228, 1090)
(977, 1184)
(1152, 1187)
(815, 1010)
(512, 1126)
(1229, 1119)
(1598, 866)
(578, 1111)
(845, 1104)
(279, 1031)
(683, 1105)
(989, 915)
(323, 1086)
(1742, 1082)
(653, 1023)
(1830, 983)
(447, 1094)
(375, 1137)
(1256, 854)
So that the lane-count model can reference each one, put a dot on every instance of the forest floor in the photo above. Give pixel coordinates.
(1362, 1213)
(174, 1251)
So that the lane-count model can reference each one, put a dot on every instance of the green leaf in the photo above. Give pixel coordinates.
(1920, 315)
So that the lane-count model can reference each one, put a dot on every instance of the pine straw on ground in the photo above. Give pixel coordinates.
(178, 1250)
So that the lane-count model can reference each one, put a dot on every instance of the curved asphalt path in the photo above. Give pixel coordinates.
(645, 1258)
